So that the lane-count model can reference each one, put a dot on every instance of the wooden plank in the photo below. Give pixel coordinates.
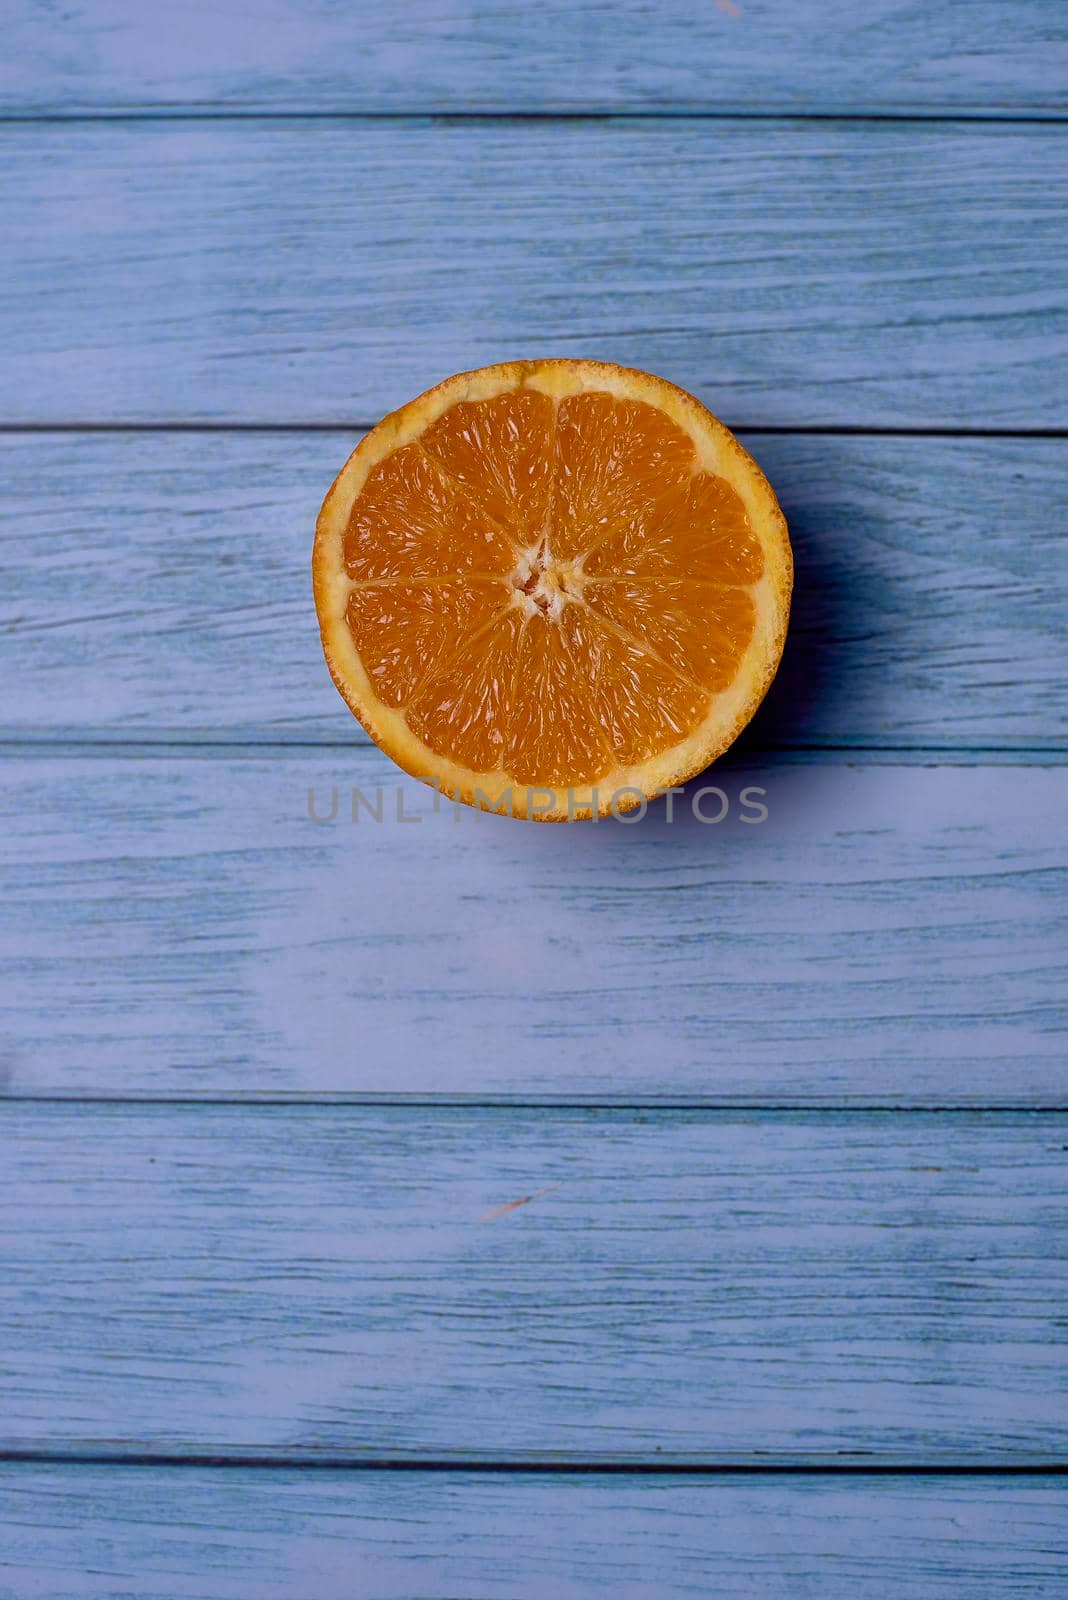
(99, 1532)
(512, 1285)
(323, 56)
(887, 934)
(791, 273)
(932, 582)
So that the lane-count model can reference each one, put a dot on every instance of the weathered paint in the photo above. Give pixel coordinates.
(305, 1283)
(862, 273)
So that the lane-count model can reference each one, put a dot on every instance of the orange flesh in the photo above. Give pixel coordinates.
(551, 589)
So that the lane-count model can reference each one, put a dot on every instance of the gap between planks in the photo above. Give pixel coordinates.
(594, 114)
(816, 1466)
(418, 1102)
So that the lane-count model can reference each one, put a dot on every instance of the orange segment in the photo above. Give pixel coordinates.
(501, 452)
(696, 629)
(404, 632)
(464, 711)
(640, 705)
(696, 529)
(614, 458)
(556, 736)
(410, 521)
(552, 576)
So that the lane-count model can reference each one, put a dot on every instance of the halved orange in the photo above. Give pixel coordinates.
(552, 587)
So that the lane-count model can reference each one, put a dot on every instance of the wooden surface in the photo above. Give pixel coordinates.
(871, 274)
(302, 56)
(154, 1534)
(889, 934)
(270, 1088)
(932, 584)
(157, 1533)
(361, 1283)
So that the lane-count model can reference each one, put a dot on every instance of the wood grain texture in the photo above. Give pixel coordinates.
(888, 934)
(507, 1285)
(157, 1534)
(355, 1282)
(791, 273)
(584, 55)
(156, 586)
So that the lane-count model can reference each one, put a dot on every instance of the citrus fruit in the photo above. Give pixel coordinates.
(554, 588)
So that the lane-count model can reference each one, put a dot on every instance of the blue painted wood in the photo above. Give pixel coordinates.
(106, 1533)
(489, 55)
(318, 1279)
(156, 587)
(891, 934)
(790, 273)
(506, 1285)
